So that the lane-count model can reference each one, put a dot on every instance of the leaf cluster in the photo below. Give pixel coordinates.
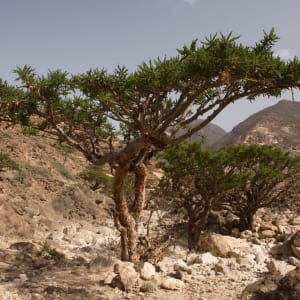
(152, 103)
(243, 177)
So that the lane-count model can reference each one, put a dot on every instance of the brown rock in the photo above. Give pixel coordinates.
(128, 275)
(279, 267)
(296, 239)
(268, 233)
(296, 251)
(219, 245)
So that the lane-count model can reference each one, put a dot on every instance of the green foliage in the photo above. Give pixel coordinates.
(47, 249)
(159, 94)
(97, 176)
(147, 287)
(240, 177)
(7, 162)
(151, 105)
(27, 130)
(269, 178)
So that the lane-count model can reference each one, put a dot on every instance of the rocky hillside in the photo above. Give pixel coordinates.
(210, 134)
(278, 125)
(58, 241)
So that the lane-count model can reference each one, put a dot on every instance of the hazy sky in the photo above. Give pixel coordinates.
(76, 35)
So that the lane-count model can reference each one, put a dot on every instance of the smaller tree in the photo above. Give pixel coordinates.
(195, 179)
(242, 178)
(269, 177)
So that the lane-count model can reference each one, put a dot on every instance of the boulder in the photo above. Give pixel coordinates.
(148, 271)
(289, 247)
(166, 265)
(109, 278)
(207, 259)
(172, 284)
(180, 265)
(275, 287)
(128, 275)
(221, 245)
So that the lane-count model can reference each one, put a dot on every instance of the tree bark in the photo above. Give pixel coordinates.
(140, 172)
(123, 220)
(197, 224)
(127, 217)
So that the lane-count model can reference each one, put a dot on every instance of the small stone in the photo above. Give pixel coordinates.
(181, 266)
(294, 261)
(260, 257)
(296, 220)
(193, 258)
(296, 251)
(221, 268)
(296, 239)
(268, 233)
(246, 234)
(109, 278)
(23, 277)
(235, 232)
(172, 284)
(207, 259)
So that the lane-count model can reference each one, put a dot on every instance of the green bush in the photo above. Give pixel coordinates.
(97, 177)
(29, 131)
(7, 162)
(47, 249)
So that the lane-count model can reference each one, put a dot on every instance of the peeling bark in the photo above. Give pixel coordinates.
(127, 217)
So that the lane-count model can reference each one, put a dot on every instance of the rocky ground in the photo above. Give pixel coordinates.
(58, 241)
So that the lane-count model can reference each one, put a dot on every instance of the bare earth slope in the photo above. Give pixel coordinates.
(278, 125)
(58, 241)
(209, 135)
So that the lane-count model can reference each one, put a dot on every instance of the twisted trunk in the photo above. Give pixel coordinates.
(127, 217)
(197, 223)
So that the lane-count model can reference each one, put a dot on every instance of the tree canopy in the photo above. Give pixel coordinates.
(150, 104)
(239, 178)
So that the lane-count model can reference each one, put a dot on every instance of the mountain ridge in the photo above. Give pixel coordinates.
(277, 125)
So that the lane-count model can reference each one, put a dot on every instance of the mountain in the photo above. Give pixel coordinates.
(278, 125)
(210, 134)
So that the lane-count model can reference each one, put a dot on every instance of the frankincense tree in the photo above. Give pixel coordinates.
(151, 105)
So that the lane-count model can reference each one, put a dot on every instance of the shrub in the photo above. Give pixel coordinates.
(7, 162)
(97, 177)
(29, 131)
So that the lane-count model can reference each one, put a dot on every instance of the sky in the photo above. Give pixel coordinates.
(77, 35)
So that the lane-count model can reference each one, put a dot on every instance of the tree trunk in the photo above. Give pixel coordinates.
(246, 220)
(197, 224)
(193, 234)
(140, 172)
(127, 218)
